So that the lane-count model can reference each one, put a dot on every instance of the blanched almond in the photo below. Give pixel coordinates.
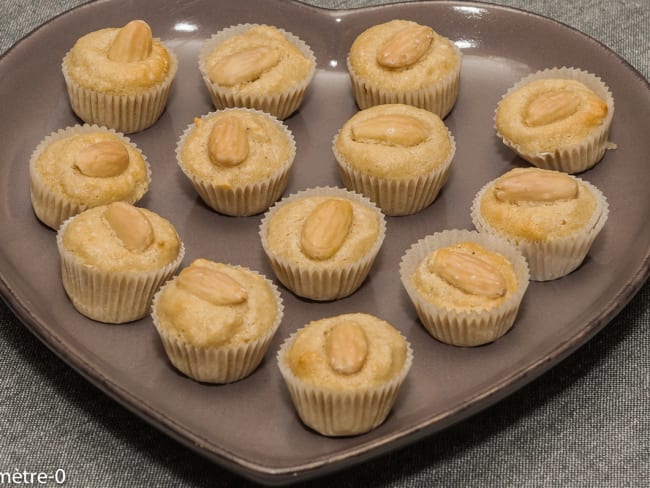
(390, 129)
(405, 47)
(467, 273)
(243, 66)
(346, 347)
(551, 106)
(130, 225)
(102, 159)
(132, 43)
(535, 185)
(228, 141)
(326, 228)
(203, 280)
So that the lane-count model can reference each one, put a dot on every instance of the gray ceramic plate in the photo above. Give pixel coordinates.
(250, 426)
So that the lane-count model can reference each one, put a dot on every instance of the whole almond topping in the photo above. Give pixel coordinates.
(102, 159)
(326, 228)
(243, 66)
(130, 225)
(132, 43)
(346, 347)
(551, 106)
(390, 129)
(202, 280)
(535, 185)
(405, 47)
(467, 273)
(228, 141)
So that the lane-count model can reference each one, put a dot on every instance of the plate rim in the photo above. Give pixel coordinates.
(269, 475)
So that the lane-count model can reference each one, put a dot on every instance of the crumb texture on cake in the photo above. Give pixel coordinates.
(91, 239)
(291, 69)
(441, 293)
(570, 112)
(89, 65)
(435, 64)
(285, 227)
(309, 360)
(537, 220)
(384, 159)
(269, 149)
(58, 171)
(202, 323)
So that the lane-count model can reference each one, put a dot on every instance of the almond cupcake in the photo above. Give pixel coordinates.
(466, 287)
(322, 242)
(216, 321)
(404, 62)
(82, 167)
(257, 66)
(238, 160)
(551, 216)
(397, 155)
(114, 258)
(557, 119)
(119, 77)
(344, 372)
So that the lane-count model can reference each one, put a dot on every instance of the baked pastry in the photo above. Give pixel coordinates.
(216, 321)
(119, 77)
(551, 216)
(466, 287)
(82, 167)
(322, 242)
(257, 66)
(344, 372)
(397, 155)
(113, 259)
(237, 159)
(557, 119)
(404, 62)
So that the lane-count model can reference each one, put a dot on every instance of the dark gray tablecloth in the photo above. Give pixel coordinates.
(584, 423)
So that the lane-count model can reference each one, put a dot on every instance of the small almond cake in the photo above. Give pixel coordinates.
(322, 242)
(82, 167)
(404, 62)
(216, 321)
(238, 160)
(257, 66)
(466, 286)
(113, 259)
(551, 216)
(397, 155)
(557, 119)
(344, 372)
(120, 77)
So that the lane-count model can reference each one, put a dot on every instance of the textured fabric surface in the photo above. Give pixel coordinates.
(585, 422)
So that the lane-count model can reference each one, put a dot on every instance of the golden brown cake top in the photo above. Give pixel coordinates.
(347, 352)
(323, 231)
(402, 55)
(235, 147)
(92, 168)
(259, 61)
(394, 141)
(548, 114)
(465, 276)
(213, 304)
(121, 238)
(119, 61)
(537, 204)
